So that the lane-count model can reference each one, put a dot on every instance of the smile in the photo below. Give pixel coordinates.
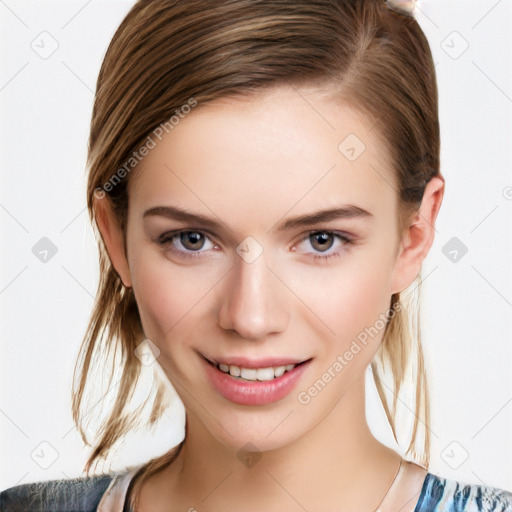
(254, 383)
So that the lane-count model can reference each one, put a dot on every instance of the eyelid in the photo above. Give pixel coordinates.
(195, 229)
(342, 234)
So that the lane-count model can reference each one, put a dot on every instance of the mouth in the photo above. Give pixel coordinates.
(252, 370)
(254, 382)
(260, 374)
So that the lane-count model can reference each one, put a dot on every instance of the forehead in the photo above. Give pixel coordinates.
(279, 150)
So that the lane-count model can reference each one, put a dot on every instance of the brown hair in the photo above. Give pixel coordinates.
(166, 52)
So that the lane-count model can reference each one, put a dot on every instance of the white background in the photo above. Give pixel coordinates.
(467, 305)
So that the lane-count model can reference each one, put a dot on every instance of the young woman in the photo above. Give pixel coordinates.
(264, 176)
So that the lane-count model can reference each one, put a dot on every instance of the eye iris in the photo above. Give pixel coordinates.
(192, 240)
(324, 239)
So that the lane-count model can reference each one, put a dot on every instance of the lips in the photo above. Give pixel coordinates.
(249, 382)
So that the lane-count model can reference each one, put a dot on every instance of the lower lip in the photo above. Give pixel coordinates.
(254, 392)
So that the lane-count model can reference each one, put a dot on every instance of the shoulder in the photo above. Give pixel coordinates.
(72, 495)
(440, 493)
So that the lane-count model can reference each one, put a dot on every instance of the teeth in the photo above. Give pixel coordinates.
(264, 373)
(261, 374)
(233, 370)
(249, 373)
(279, 371)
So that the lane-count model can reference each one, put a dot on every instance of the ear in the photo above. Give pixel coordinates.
(112, 236)
(418, 236)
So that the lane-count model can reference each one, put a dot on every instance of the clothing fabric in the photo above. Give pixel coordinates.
(444, 495)
(108, 493)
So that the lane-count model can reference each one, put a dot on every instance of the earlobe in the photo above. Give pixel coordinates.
(418, 236)
(112, 236)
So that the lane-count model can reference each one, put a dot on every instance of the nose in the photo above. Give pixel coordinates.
(253, 305)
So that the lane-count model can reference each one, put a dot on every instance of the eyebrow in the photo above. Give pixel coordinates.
(348, 211)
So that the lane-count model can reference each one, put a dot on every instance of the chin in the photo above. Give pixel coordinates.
(257, 430)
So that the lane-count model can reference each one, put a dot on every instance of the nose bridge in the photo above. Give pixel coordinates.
(251, 305)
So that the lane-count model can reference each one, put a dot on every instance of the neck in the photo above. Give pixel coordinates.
(337, 464)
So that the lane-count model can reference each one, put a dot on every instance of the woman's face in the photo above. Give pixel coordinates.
(285, 252)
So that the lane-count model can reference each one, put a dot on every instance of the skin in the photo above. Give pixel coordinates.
(250, 164)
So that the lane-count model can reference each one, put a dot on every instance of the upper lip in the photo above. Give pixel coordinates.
(246, 362)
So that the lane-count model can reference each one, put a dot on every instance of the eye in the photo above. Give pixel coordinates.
(190, 243)
(186, 243)
(323, 241)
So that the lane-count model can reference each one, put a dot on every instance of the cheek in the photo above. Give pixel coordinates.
(364, 299)
(170, 297)
(350, 298)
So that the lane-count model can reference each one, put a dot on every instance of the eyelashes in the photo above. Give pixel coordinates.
(194, 244)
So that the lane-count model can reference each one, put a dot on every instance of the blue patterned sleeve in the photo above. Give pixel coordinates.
(444, 495)
(74, 495)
